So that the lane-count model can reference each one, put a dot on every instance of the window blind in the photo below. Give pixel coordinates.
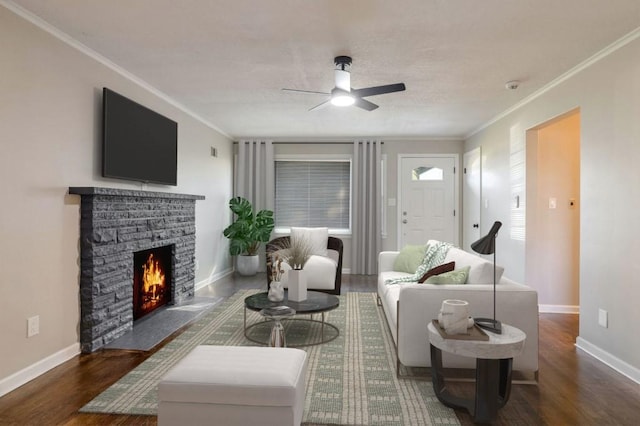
(313, 194)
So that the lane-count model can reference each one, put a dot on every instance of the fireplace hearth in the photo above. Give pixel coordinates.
(115, 224)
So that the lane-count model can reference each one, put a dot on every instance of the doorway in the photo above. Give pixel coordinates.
(553, 213)
(428, 199)
(472, 196)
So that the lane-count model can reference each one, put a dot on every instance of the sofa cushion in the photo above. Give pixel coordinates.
(458, 276)
(317, 238)
(481, 270)
(409, 258)
(440, 269)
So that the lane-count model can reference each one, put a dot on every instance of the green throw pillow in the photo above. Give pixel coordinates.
(458, 276)
(409, 258)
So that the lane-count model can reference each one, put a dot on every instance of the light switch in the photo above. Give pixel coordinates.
(553, 203)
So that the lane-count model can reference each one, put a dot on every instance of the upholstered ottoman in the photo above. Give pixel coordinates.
(234, 385)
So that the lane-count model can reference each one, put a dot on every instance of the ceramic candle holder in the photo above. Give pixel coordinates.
(454, 316)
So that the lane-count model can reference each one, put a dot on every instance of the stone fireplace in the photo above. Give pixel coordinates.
(115, 224)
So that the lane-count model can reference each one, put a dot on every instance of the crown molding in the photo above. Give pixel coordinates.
(618, 44)
(67, 39)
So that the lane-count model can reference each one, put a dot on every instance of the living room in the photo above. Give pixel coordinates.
(51, 120)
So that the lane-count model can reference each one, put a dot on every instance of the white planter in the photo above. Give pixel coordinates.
(247, 265)
(297, 283)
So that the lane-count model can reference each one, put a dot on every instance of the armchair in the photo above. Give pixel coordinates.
(315, 280)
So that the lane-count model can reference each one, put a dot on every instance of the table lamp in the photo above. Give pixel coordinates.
(487, 245)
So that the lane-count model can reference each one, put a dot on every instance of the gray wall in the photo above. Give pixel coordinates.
(608, 95)
(50, 116)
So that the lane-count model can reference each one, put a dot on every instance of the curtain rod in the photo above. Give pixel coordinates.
(310, 142)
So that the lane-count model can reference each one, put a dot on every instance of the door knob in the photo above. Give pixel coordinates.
(475, 225)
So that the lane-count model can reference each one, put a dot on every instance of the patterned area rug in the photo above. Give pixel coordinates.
(350, 380)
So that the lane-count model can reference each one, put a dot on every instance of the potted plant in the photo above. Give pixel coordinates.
(246, 233)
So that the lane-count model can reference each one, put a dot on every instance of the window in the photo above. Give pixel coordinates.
(313, 193)
(427, 173)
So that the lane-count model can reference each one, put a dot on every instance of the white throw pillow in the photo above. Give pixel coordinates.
(481, 271)
(317, 237)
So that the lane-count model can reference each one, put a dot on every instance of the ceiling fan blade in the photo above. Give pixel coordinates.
(378, 90)
(306, 91)
(365, 104)
(321, 105)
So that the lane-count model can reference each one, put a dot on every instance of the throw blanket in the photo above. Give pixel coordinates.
(434, 255)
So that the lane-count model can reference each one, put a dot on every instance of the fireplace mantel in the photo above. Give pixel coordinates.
(116, 192)
(115, 223)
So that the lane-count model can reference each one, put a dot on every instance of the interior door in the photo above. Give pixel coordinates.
(471, 197)
(428, 202)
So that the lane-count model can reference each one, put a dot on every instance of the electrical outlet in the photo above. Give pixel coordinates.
(603, 318)
(33, 326)
(197, 265)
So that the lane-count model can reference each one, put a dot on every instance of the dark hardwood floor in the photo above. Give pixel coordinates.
(573, 388)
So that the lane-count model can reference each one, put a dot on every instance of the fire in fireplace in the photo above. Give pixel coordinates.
(151, 280)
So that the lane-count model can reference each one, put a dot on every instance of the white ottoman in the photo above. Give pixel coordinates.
(234, 385)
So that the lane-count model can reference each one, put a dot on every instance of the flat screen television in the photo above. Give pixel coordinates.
(137, 143)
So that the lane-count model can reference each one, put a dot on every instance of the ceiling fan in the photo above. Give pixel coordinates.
(344, 95)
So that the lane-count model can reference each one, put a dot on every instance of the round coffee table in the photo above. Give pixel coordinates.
(316, 303)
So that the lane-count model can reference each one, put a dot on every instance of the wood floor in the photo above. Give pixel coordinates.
(573, 389)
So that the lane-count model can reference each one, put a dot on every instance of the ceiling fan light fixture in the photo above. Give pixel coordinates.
(343, 94)
(343, 99)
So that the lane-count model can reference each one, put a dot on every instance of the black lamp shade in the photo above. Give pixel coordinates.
(487, 244)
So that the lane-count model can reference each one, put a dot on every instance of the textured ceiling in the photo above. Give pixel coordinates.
(227, 60)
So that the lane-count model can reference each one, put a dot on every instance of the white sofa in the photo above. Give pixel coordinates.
(409, 307)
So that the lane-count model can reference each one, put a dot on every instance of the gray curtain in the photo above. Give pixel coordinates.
(254, 173)
(366, 237)
(254, 178)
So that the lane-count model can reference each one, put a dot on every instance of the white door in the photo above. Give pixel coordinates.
(428, 202)
(471, 197)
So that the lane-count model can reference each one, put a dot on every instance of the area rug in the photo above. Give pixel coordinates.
(350, 380)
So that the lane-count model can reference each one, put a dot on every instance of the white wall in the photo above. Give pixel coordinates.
(50, 125)
(608, 95)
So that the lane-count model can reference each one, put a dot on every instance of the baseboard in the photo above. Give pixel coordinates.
(29, 373)
(213, 278)
(616, 363)
(558, 309)
(25, 375)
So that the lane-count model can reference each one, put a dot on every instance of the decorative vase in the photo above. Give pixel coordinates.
(454, 316)
(297, 283)
(276, 292)
(247, 265)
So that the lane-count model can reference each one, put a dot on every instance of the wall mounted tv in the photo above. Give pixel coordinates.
(137, 143)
